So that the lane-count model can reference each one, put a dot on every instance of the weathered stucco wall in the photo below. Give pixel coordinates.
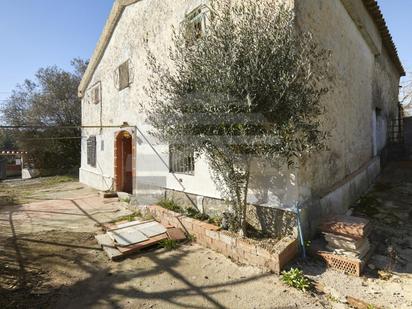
(151, 22)
(364, 80)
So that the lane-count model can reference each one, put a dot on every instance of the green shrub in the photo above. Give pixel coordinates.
(170, 205)
(196, 214)
(295, 278)
(168, 244)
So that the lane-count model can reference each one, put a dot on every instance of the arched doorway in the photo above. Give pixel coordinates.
(124, 162)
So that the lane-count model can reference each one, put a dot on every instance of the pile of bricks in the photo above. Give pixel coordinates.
(239, 250)
(347, 236)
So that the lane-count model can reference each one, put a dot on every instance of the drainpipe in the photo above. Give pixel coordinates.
(300, 232)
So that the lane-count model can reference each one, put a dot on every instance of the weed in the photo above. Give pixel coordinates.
(129, 218)
(191, 238)
(170, 205)
(368, 205)
(215, 220)
(196, 214)
(295, 278)
(168, 244)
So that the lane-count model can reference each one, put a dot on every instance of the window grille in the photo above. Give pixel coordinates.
(91, 151)
(181, 161)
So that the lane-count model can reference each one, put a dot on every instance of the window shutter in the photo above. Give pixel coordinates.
(124, 78)
(91, 151)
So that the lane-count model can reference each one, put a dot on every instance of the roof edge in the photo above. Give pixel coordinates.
(114, 17)
(374, 10)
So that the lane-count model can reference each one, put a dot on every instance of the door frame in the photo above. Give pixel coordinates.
(119, 172)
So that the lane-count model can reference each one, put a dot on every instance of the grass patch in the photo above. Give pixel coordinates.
(170, 205)
(130, 218)
(168, 244)
(368, 205)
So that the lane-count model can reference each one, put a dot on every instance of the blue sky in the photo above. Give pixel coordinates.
(39, 33)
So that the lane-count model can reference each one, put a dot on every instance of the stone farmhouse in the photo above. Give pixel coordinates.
(119, 154)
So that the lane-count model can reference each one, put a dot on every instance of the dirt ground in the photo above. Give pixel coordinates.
(49, 258)
(387, 279)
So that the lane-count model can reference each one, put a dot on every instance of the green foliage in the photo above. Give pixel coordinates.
(170, 205)
(196, 214)
(168, 244)
(49, 100)
(368, 205)
(248, 90)
(295, 278)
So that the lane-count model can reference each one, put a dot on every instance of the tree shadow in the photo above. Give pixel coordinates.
(28, 263)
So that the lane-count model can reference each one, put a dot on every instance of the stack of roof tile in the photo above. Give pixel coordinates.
(347, 235)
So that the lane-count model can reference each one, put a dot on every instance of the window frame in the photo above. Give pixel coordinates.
(126, 70)
(197, 15)
(181, 161)
(91, 150)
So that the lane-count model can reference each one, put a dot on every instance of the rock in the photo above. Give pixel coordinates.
(372, 266)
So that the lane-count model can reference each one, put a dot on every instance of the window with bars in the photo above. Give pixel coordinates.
(181, 160)
(91, 151)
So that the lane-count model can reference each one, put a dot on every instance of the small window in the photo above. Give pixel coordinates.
(91, 151)
(181, 161)
(195, 25)
(96, 94)
(124, 76)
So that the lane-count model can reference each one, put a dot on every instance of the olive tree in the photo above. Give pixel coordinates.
(49, 101)
(248, 89)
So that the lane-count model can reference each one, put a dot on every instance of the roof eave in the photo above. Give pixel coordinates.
(114, 17)
(377, 16)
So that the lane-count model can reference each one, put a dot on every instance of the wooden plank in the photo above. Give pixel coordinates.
(129, 224)
(176, 234)
(127, 236)
(107, 244)
(133, 248)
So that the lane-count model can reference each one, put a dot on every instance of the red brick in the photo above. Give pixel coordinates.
(210, 227)
(198, 228)
(256, 260)
(273, 264)
(263, 252)
(212, 234)
(289, 252)
(219, 246)
(227, 239)
(246, 246)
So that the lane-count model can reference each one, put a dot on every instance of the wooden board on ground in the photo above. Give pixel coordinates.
(136, 247)
(127, 236)
(107, 244)
(176, 234)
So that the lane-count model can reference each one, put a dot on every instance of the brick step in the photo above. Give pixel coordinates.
(349, 226)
